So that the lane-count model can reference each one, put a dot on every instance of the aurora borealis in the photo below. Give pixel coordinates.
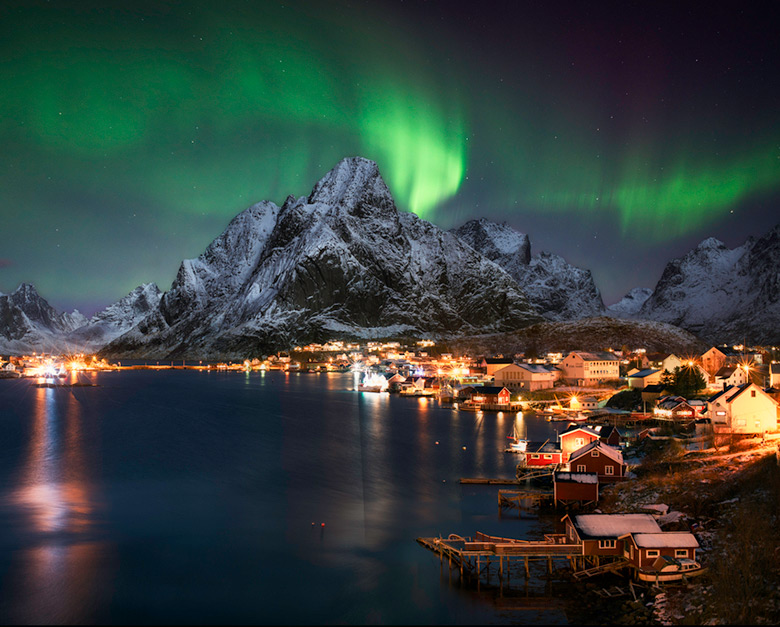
(618, 135)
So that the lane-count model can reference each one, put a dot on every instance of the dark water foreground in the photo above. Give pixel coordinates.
(200, 497)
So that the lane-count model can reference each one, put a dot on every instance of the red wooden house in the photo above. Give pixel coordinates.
(574, 438)
(546, 454)
(600, 458)
(489, 395)
(575, 487)
(603, 535)
(610, 435)
(643, 549)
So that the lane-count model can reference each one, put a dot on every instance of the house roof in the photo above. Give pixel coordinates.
(576, 477)
(595, 356)
(498, 360)
(488, 389)
(607, 450)
(774, 368)
(586, 429)
(536, 368)
(666, 539)
(643, 373)
(732, 391)
(608, 430)
(655, 388)
(614, 525)
(542, 447)
(672, 402)
(726, 371)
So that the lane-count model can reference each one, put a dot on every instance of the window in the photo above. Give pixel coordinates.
(594, 454)
(681, 552)
(581, 468)
(607, 544)
(653, 553)
(548, 455)
(752, 394)
(609, 470)
(579, 442)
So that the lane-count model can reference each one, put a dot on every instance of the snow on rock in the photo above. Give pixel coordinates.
(630, 304)
(556, 289)
(342, 260)
(722, 294)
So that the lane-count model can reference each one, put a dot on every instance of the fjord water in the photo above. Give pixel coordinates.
(185, 496)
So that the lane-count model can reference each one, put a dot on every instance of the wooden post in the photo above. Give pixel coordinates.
(549, 565)
(527, 573)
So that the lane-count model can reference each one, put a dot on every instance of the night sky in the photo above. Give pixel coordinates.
(618, 135)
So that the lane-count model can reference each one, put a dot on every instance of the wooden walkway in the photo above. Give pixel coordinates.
(473, 558)
(609, 567)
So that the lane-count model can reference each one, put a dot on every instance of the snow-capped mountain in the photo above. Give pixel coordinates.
(342, 261)
(116, 319)
(556, 289)
(28, 323)
(630, 304)
(722, 294)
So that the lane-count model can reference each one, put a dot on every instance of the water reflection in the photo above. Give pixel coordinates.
(56, 571)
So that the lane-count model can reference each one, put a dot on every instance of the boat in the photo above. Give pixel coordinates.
(516, 444)
(668, 568)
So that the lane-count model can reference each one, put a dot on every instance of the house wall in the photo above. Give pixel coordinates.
(542, 459)
(598, 465)
(515, 377)
(645, 558)
(573, 441)
(753, 414)
(579, 371)
(572, 491)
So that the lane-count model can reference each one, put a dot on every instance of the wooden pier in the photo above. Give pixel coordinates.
(473, 559)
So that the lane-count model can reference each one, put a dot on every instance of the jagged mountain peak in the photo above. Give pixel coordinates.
(343, 260)
(354, 185)
(558, 290)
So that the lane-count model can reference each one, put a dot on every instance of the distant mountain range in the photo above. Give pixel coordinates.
(344, 262)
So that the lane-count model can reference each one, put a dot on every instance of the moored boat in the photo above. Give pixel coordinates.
(667, 568)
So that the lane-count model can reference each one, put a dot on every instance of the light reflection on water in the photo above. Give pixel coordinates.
(56, 503)
(183, 496)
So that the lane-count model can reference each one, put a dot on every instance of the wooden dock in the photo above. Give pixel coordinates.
(473, 559)
(487, 481)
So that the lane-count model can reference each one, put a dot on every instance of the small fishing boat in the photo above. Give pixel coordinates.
(667, 568)
(516, 444)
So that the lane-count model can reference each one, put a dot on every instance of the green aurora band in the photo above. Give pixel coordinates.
(160, 114)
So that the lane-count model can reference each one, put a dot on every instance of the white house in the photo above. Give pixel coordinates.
(730, 375)
(744, 409)
(774, 376)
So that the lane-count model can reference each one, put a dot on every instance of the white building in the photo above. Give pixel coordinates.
(744, 409)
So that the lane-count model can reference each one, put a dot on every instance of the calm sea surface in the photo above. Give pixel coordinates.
(182, 496)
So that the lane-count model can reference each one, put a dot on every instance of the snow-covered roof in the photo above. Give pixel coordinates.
(605, 449)
(615, 525)
(576, 477)
(574, 427)
(666, 539)
(643, 373)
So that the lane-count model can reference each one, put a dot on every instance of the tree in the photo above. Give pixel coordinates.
(667, 380)
(688, 380)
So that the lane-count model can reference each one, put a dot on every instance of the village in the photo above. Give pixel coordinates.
(629, 420)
